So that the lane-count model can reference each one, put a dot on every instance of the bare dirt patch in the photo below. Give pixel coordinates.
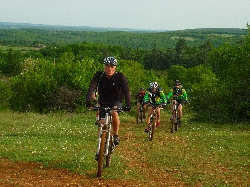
(32, 174)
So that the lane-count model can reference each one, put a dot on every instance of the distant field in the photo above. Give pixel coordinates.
(18, 48)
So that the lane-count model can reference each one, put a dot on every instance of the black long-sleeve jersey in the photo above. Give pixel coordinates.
(110, 89)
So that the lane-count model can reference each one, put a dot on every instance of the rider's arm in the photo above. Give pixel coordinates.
(94, 97)
(92, 87)
(170, 94)
(185, 96)
(146, 97)
(163, 97)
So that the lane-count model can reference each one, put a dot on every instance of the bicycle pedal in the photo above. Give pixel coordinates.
(112, 149)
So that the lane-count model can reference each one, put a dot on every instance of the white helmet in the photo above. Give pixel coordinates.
(154, 85)
(110, 61)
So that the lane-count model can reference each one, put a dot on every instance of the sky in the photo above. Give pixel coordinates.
(132, 14)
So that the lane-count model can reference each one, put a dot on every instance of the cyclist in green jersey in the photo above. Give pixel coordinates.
(155, 95)
(179, 94)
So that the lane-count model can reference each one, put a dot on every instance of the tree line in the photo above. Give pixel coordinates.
(142, 40)
(57, 77)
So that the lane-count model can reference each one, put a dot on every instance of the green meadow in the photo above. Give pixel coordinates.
(198, 154)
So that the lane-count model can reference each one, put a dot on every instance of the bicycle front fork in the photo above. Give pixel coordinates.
(107, 145)
(99, 138)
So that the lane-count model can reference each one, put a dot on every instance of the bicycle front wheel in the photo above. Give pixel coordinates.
(101, 154)
(152, 127)
(176, 122)
(152, 131)
(111, 149)
(173, 122)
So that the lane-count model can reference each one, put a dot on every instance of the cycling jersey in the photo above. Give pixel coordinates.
(110, 89)
(178, 94)
(157, 97)
(139, 96)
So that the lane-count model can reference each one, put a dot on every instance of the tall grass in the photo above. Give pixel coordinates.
(197, 154)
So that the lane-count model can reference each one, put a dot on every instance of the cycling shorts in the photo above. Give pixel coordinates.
(102, 112)
(179, 101)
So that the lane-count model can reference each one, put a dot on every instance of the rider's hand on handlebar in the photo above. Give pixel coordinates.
(164, 105)
(88, 105)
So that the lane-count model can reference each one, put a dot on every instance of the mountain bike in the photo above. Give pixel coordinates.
(153, 120)
(139, 115)
(175, 119)
(105, 146)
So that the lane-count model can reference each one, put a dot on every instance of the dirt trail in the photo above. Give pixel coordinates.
(32, 174)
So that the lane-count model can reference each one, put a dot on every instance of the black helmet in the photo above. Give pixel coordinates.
(141, 89)
(177, 82)
(111, 61)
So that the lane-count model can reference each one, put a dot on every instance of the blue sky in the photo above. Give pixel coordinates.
(134, 14)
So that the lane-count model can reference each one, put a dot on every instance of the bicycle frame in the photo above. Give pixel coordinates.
(105, 146)
(106, 127)
(175, 116)
(139, 114)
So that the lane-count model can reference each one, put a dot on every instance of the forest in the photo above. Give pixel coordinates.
(212, 64)
(41, 35)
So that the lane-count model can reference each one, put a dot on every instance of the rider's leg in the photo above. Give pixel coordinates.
(116, 126)
(158, 112)
(144, 111)
(172, 109)
(150, 110)
(180, 111)
(115, 121)
(137, 107)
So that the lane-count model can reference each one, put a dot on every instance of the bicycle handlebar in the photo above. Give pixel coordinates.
(107, 109)
(154, 105)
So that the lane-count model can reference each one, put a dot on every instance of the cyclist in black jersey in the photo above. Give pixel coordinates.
(112, 89)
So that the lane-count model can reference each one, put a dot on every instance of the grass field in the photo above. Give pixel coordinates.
(18, 48)
(197, 155)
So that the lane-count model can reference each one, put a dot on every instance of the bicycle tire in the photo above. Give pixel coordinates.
(173, 122)
(176, 122)
(141, 114)
(108, 157)
(101, 152)
(152, 127)
(152, 132)
(137, 116)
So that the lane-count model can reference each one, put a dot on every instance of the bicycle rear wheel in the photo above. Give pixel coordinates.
(101, 153)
